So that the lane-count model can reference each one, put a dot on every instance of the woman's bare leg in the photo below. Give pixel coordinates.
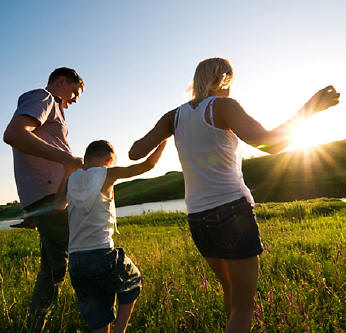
(123, 317)
(238, 278)
(244, 276)
(103, 329)
(220, 268)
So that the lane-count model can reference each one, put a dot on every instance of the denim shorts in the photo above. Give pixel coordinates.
(97, 277)
(228, 231)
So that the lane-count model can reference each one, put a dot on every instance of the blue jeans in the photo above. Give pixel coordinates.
(228, 231)
(52, 226)
(97, 277)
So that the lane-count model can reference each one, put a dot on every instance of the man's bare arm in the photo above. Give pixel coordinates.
(19, 134)
(162, 130)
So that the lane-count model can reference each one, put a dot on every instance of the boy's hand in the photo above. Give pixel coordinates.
(322, 100)
(60, 203)
(72, 164)
(155, 156)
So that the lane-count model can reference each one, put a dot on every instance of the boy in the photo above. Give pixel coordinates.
(99, 271)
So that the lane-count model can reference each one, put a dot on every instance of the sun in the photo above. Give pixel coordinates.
(309, 133)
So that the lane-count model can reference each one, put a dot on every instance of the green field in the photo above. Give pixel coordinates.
(301, 285)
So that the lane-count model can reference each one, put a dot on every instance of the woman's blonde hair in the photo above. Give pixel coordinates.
(211, 74)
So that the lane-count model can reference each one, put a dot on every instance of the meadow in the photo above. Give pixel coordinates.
(301, 284)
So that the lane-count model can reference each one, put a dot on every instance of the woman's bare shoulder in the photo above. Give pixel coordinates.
(227, 102)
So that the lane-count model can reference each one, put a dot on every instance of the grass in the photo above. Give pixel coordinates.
(301, 286)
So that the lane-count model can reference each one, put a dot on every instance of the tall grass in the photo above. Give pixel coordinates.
(301, 285)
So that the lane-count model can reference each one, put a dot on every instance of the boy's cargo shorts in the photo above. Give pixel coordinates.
(228, 231)
(97, 277)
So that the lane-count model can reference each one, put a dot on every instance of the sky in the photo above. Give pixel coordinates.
(137, 59)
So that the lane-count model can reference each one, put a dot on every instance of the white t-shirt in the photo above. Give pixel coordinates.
(91, 214)
(210, 158)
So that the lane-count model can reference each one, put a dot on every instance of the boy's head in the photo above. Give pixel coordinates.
(99, 153)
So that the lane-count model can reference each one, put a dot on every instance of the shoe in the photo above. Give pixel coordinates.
(24, 225)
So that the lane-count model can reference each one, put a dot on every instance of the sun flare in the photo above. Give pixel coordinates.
(310, 133)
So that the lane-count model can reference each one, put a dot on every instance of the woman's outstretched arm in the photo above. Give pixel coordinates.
(161, 131)
(228, 114)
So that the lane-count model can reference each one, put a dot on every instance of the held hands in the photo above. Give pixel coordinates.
(155, 156)
(322, 100)
(72, 164)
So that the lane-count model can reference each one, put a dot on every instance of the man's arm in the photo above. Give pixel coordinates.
(19, 134)
(162, 130)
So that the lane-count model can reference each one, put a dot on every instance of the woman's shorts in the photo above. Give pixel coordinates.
(228, 231)
(97, 277)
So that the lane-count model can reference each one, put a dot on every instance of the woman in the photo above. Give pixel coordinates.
(219, 205)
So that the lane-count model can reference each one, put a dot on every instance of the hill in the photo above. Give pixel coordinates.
(301, 174)
(295, 175)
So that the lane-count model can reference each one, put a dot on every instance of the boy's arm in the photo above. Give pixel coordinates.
(135, 169)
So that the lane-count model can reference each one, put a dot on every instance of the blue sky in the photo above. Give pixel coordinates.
(137, 58)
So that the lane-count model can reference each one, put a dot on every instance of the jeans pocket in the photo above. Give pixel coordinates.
(229, 231)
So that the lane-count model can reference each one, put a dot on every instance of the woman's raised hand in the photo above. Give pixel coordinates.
(322, 100)
(155, 156)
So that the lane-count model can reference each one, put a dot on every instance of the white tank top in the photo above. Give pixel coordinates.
(210, 158)
(91, 214)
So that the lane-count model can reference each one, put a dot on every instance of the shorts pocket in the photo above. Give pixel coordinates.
(228, 232)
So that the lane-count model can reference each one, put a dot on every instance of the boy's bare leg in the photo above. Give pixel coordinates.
(103, 329)
(219, 267)
(123, 317)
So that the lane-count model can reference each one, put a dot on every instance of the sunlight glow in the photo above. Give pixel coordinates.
(310, 133)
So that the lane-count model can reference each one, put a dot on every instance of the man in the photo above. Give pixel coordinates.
(41, 154)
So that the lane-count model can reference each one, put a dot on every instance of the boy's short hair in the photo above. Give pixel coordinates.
(70, 74)
(99, 148)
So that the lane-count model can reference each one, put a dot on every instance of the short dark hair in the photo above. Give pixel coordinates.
(99, 148)
(70, 74)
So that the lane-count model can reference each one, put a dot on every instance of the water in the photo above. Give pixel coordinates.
(168, 206)
(5, 225)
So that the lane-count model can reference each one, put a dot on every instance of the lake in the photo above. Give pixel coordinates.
(168, 206)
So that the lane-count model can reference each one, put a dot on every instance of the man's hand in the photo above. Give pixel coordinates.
(322, 100)
(72, 164)
(155, 156)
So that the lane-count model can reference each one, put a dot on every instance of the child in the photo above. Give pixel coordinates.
(99, 271)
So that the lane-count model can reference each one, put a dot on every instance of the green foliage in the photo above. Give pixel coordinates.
(10, 210)
(170, 186)
(301, 284)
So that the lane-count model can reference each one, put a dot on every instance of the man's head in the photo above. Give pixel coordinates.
(99, 153)
(66, 84)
